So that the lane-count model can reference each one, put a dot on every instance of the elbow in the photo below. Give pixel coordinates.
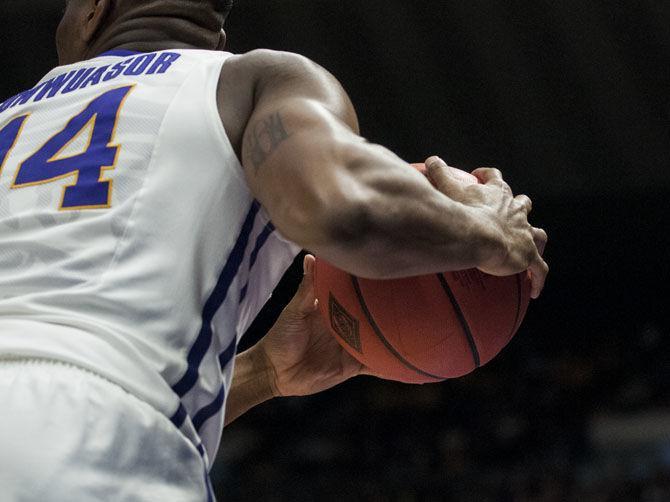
(353, 240)
(342, 223)
(339, 234)
(350, 223)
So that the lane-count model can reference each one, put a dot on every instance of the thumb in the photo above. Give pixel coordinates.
(440, 175)
(304, 301)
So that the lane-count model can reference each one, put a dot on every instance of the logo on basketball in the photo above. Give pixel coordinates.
(344, 324)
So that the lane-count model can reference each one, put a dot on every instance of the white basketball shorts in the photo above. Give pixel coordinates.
(68, 435)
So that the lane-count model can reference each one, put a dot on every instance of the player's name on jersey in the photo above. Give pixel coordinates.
(155, 63)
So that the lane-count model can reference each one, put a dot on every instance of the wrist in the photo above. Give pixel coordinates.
(261, 372)
(253, 383)
(492, 248)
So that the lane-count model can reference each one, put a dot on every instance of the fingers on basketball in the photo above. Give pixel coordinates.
(525, 202)
(540, 237)
(438, 173)
(304, 301)
(488, 175)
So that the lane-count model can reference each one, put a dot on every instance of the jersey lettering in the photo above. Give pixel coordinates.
(144, 64)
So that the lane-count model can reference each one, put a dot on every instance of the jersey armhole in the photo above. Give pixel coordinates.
(219, 131)
(265, 217)
(214, 119)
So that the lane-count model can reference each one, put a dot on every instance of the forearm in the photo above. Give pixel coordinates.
(406, 227)
(428, 235)
(251, 384)
(352, 203)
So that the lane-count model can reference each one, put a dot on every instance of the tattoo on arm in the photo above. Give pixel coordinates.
(266, 135)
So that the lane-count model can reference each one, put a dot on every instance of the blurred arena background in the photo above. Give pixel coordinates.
(571, 100)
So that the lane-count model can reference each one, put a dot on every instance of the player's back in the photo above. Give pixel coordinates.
(129, 241)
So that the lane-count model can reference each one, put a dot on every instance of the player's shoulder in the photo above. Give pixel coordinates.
(278, 74)
(264, 75)
(268, 64)
(270, 56)
(254, 69)
(245, 77)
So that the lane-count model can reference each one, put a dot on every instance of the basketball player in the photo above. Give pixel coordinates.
(153, 190)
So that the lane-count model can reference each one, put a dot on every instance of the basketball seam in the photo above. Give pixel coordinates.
(382, 338)
(516, 324)
(462, 319)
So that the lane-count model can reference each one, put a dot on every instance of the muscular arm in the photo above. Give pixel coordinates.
(351, 202)
(329, 190)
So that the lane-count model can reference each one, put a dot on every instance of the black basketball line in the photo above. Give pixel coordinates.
(515, 326)
(461, 317)
(381, 336)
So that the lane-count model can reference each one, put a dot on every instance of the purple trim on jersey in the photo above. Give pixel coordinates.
(218, 296)
(260, 242)
(262, 238)
(213, 408)
(179, 417)
(120, 53)
(210, 410)
(243, 293)
(208, 481)
(228, 354)
(210, 494)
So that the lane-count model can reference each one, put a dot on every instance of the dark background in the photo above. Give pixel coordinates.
(570, 100)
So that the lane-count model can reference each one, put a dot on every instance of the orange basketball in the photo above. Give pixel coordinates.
(426, 328)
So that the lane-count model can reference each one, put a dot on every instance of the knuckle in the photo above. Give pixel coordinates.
(529, 256)
(488, 172)
(491, 171)
(434, 164)
(541, 269)
(525, 200)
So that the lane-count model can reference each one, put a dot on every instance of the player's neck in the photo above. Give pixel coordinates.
(154, 36)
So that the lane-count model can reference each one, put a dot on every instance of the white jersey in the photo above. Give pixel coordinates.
(130, 243)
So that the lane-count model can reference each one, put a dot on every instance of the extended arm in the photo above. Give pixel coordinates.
(352, 202)
(349, 201)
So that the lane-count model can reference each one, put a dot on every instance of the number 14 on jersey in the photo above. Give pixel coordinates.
(88, 190)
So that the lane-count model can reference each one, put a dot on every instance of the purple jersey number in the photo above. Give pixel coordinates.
(88, 190)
